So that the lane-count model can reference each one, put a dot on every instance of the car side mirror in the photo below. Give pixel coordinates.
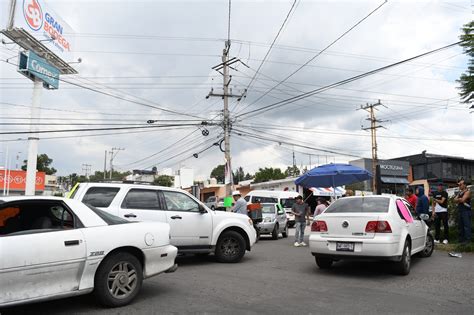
(424, 216)
(201, 208)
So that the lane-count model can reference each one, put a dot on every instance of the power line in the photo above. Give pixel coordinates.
(92, 129)
(117, 96)
(318, 54)
(273, 43)
(342, 82)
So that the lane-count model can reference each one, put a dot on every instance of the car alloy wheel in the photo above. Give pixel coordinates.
(429, 246)
(230, 247)
(122, 280)
(118, 279)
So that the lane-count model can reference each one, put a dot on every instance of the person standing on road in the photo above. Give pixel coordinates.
(463, 199)
(322, 205)
(423, 203)
(411, 197)
(240, 203)
(301, 211)
(440, 213)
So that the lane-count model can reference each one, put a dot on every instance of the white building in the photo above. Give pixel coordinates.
(184, 178)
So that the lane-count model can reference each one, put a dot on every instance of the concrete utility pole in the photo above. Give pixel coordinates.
(86, 168)
(373, 131)
(33, 139)
(105, 165)
(113, 154)
(224, 66)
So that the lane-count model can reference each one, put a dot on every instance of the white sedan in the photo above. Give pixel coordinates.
(55, 247)
(371, 227)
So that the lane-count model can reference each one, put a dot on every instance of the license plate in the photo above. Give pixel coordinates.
(345, 246)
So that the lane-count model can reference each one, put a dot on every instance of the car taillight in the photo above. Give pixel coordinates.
(378, 227)
(319, 226)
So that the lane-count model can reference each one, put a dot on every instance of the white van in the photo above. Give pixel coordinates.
(285, 198)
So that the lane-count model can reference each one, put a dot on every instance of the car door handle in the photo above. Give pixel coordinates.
(176, 217)
(71, 243)
(130, 215)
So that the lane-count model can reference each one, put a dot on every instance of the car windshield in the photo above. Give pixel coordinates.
(268, 209)
(108, 218)
(359, 205)
(287, 202)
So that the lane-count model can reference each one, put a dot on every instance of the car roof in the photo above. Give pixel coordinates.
(273, 193)
(14, 198)
(99, 184)
(371, 196)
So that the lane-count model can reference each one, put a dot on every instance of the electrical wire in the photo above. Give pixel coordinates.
(318, 54)
(342, 82)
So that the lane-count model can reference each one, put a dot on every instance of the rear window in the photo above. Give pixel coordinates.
(100, 196)
(256, 199)
(108, 218)
(287, 202)
(358, 205)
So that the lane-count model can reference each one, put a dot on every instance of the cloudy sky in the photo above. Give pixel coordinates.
(152, 55)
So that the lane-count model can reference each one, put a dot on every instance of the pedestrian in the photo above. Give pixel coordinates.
(440, 213)
(240, 203)
(301, 211)
(411, 197)
(463, 199)
(423, 203)
(322, 205)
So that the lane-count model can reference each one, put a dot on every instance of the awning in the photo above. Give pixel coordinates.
(394, 180)
(319, 191)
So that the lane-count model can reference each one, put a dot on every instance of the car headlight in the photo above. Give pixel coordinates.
(250, 222)
(267, 219)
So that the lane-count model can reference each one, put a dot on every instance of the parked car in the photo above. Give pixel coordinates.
(215, 203)
(285, 198)
(194, 228)
(274, 220)
(54, 247)
(370, 227)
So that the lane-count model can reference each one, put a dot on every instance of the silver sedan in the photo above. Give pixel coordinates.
(274, 220)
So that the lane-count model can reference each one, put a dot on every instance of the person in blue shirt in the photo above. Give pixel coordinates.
(423, 203)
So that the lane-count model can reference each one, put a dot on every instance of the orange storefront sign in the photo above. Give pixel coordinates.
(17, 180)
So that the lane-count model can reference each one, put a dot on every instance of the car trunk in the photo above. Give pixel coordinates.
(346, 225)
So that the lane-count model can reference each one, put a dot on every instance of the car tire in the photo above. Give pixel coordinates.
(323, 262)
(230, 247)
(213, 208)
(118, 280)
(285, 232)
(275, 232)
(402, 267)
(429, 246)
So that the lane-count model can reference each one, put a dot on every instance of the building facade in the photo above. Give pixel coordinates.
(394, 175)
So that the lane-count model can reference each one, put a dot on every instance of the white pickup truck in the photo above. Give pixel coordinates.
(194, 228)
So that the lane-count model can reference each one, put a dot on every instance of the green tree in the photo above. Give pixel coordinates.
(248, 176)
(239, 175)
(218, 173)
(268, 173)
(43, 163)
(164, 180)
(292, 171)
(467, 79)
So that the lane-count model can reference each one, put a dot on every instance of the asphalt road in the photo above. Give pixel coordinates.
(277, 278)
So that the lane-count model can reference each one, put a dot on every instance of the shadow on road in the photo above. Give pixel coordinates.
(363, 269)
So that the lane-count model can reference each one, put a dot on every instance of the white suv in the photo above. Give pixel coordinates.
(194, 227)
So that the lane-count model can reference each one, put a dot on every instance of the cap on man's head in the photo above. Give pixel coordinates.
(236, 193)
(299, 197)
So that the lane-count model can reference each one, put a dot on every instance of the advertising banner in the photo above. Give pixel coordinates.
(40, 21)
(17, 180)
(33, 66)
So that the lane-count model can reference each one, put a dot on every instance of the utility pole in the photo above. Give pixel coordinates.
(113, 154)
(373, 131)
(294, 160)
(223, 68)
(86, 168)
(105, 165)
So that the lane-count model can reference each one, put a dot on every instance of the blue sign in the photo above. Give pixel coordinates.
(33, 66)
